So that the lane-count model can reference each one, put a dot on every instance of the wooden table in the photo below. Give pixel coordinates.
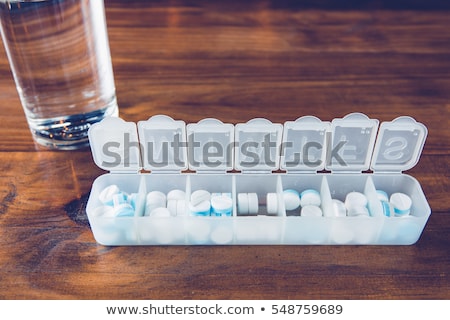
(236, 60)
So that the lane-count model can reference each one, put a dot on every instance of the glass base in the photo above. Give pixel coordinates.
(70, 132)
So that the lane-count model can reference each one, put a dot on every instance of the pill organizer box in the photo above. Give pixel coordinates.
(353, 153)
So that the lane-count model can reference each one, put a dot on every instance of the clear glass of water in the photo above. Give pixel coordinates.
(59, 55)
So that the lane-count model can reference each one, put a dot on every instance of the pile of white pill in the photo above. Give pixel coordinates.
(397, 205)
(309, 201)
(247, 203)
(203, 203)
(356, 204)
(158, 204)
(116, 203)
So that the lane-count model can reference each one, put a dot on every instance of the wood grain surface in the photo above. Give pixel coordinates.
(236, 60)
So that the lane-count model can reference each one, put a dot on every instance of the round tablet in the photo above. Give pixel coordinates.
(172, 205)
(153, 200)
(339, 209)
(253, 205)
(291, 199)
(388, 210)
(176, 194)
(382, 195)
(311, 211)
(202, 209)
(401, 203)
(357, 211)
(222, 205)
(199, 196)
(310, 197)
(104, 211)
(355, 199)
(181, 208)
(272, 203)
(119, 199)
(156, 197)
(106, 195)
(124, 210)
(132, 199)
(242, 203)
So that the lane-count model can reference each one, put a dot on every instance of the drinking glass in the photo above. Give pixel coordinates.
(59, 56)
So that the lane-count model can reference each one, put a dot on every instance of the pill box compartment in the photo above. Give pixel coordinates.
(235, 170)
(403, 230)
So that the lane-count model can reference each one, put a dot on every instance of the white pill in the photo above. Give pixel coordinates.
(221, 205)
(124, 210)
(104, 211)
(291, 199)
(242, 203)
(172, 205)
(176, 195)
(202, 209)
(355, 199)
(181, 208)
(388, 209)
(272, 203)
(382, 195)
(339, 209)
(358, 211)
(310, 197)
(401, 203)
(150, 207)
(253, 204)
(154, 199)
(119, 199)
(156, 196)
(161, 212)
(106, 195)
(199, 196)
(132, 199)
(311, 211)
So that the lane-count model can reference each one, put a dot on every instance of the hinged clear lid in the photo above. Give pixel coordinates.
(210, 146)
(352, 141)
(115, 145)
(346, 145)
(399, 145)
(304, 146)
(258, 144)
(164, 144)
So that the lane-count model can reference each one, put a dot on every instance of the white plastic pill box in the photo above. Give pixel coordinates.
(258, 157)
